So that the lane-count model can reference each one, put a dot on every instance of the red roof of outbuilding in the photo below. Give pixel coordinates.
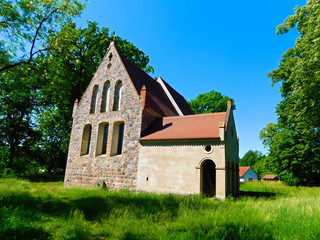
(243, 170)
(186, 127)
(269, 176)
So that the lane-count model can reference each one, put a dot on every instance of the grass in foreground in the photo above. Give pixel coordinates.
(50, 211)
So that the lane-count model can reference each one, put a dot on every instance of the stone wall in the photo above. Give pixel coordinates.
(116, 171)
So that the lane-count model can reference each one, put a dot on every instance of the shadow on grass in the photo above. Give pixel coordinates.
(132, 236)
(254, 194)
(235, 231)
(139, 206)
(229, 231)
(42, 177)
(95, 207)
(24, 233)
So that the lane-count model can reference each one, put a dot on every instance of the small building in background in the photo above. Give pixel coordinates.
(270, 177)
(247, 174)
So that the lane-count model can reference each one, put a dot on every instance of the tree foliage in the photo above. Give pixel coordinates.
(294, 142)
(18, 104)
(259, 162)
(68, 69)
(46, 63)
(24, 28)
(210, 102)
(250, 158)
(25, 25)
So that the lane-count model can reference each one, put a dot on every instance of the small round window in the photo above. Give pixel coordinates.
(208, 148)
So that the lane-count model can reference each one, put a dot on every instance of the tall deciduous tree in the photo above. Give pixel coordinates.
(210, 102)
(251, 158)
(295, 145)
(25, 25)
(68, 68)
(18, 106)
(45, 64)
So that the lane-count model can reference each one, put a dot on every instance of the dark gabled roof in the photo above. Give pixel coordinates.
(180, 100)
(202, 126)
(156, 98)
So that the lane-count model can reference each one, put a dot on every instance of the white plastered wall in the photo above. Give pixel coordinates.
(176, 167)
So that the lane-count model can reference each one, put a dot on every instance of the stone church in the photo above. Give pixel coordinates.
(131, 131)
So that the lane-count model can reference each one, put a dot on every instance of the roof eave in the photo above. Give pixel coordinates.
(180, 140)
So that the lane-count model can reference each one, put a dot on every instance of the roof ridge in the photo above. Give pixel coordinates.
(157, 99)
(172, 100)
(198, 115)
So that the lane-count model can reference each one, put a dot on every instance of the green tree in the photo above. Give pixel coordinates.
(68, 68)
(251, 158)
(210, 102)
(264, 166)
(45, 64)
(267, 134)
(25, 25)
(18, 104)
(24, 28)
(295, 145)
(259, 162)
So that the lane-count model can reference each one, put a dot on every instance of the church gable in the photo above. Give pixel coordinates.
(106, 128)
(110, 75)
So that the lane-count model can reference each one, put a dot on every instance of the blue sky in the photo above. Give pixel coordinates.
(198, 46)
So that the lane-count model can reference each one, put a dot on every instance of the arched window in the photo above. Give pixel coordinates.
(117, 138)
(94, 99)
(86, 138)
(105, 97)
(102, 142)
(117, 96)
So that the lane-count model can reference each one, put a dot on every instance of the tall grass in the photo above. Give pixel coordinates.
(36, 210)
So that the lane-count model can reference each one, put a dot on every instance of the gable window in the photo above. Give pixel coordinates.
(117, 96)
(105, 97)
(86, 138)
(117, 138)
(94, 99)
(102, 142)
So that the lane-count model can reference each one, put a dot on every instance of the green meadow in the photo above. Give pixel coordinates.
(47, 210)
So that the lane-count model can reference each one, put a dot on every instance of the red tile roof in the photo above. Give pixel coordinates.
(186, 127)
(156, 98)
(243, 170)
(269, 176)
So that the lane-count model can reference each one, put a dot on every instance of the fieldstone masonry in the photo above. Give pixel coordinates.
(116, 171)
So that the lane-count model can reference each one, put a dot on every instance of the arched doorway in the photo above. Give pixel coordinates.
(209, 178)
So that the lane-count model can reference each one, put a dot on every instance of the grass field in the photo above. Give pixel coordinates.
(47, 210)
